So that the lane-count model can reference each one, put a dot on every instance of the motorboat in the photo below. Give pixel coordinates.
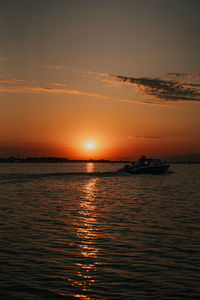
(146, 166)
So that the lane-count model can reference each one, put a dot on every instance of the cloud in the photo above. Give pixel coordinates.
(176, 74)
(131, 137)
(144, 102)
(4, 81)
(162, 89)
(148, 137)
(15, 81)
(157, 91)
(59, 84)
(22, 86)
(195, 76)
(50, 67)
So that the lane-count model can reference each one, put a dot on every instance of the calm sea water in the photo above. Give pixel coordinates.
(68, 233)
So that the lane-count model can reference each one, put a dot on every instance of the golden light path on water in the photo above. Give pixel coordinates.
(87, 234)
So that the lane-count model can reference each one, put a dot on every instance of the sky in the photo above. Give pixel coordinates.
(99, 79)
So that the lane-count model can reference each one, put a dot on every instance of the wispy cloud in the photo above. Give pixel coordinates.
(162, 89)
(59, 84)
(148, 137)
(49, 67)
(96, 74)
(3, 59)
(4, 81)
(14, 82)
(22, 86)
(143, 102)
(195, 76)
(157, 91)
(177, 87)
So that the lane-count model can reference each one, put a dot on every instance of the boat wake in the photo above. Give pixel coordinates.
(5, 178)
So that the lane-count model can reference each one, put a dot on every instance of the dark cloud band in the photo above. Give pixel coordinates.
(161, 89)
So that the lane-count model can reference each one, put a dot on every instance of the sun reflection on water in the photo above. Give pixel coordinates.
(90, 167)
(87, 234)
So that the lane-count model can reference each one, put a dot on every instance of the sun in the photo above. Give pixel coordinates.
(90, 145)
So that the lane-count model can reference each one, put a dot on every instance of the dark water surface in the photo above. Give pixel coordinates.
(98, 236)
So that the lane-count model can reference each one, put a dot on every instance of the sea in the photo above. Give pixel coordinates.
(82, 230)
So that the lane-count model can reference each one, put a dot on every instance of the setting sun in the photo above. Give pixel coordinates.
(90, 145)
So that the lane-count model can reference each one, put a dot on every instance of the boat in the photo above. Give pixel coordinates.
(146, 166)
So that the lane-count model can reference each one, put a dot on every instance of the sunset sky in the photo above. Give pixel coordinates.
(99, 79)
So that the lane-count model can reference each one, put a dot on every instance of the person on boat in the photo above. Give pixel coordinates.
(142, 160)
(133, 164)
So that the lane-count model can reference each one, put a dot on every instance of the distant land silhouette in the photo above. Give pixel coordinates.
(55, 160)
(189, 158)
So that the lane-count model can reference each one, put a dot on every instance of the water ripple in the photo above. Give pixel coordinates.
(92, 236)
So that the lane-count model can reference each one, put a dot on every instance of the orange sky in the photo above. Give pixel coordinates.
(123, 75)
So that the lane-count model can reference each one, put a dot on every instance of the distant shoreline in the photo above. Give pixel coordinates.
(13, 159)
(57, 160)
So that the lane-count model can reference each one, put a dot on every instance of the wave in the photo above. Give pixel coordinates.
(20, 177)
(5, 178)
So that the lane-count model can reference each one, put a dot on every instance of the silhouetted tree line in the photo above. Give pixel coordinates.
(13, 159)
